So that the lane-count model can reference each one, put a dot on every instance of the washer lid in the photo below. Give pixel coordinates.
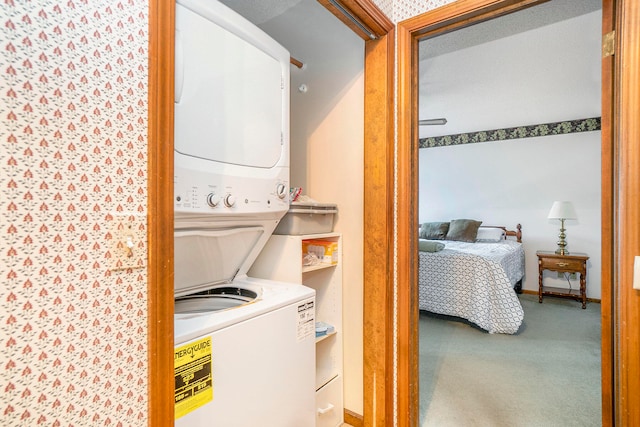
(204, 258)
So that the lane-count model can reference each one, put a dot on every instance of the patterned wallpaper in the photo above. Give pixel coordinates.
(405, 9)
(73, 144)
(399, 10)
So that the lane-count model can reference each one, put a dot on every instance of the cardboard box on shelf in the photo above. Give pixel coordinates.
(325, 250)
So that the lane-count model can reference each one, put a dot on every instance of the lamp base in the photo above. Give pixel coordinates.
(562, 242)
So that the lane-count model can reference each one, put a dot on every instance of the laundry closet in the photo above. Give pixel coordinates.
(327, 144)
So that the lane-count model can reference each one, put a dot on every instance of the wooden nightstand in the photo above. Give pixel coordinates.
(571, 263)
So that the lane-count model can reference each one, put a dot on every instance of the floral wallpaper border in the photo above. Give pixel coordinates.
(545, 129)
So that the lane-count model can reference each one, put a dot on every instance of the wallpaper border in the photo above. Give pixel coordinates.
(530, 131)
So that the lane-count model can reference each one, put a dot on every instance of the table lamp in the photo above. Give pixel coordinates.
(562, 211)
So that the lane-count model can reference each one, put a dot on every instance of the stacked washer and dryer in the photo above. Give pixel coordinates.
(244, 347)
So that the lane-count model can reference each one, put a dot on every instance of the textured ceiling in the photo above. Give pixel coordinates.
(260, 11)
(525, 20)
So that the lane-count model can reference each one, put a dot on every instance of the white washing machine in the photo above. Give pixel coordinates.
(245, 355)
(244, 347)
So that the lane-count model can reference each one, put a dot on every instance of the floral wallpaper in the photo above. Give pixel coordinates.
(399, 10)
(73, 203)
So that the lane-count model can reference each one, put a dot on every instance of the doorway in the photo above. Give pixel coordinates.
(533, 66)
(446, 19)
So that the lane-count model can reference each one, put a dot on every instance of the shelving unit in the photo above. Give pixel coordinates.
(281, 260)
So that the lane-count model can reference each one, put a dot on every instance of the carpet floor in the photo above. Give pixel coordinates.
(548, 374)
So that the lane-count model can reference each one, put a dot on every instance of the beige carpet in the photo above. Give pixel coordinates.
(546, 375)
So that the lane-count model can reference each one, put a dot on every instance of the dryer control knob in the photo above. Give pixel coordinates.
(281, 191)
(229, 200)
(213, 199)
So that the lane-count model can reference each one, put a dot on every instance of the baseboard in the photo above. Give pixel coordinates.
(354, 419)
(530, 292)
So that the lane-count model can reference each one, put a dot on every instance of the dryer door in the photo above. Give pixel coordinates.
(231, 97)
(204, 258)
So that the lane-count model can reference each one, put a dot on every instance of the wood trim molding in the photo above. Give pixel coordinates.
(627, 139)
(460, 14)
(364, 11)
(353, 419)
(407, 238)
(532, 292)
(371, 15)
(608, 171)
(378, 241)
(160, 214)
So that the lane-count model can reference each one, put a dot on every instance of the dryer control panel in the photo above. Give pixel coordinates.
(197, 192)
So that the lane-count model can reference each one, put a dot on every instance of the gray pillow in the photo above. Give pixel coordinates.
(434, 230)
(463, 230)
(430, 246)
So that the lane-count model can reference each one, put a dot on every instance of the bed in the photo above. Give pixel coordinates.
(475, 276)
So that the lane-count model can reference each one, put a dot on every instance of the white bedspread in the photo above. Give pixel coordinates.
(474, 281)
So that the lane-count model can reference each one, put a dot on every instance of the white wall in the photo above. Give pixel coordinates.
(544, 75)
(327, 150)
(335, 174)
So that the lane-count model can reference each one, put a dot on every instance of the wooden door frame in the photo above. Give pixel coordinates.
(607, 210)
(625, 202)
(160, 214)
(378, 189)
(450, 17)
(378, 328)
(379, 362)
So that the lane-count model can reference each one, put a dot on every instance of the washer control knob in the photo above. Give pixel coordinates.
(213, 199)
(229, 200)
(281, 191)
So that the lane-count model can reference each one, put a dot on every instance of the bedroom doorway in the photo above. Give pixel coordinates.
(513, 70)
(463, 13)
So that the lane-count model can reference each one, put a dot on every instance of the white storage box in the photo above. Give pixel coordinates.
(307, 218)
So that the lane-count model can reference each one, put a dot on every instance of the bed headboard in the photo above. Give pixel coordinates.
(517, 233)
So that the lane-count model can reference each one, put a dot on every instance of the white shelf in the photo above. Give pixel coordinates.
(325, 336)
(308, 268)
(281, 259)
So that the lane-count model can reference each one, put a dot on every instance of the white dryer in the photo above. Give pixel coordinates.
(244, 347)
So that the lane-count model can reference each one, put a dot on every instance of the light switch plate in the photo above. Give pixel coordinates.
(636, 273)
(128, 248)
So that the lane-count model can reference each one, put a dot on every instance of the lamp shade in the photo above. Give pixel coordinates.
(562, 210)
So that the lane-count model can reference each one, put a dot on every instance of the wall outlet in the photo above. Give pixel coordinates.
(128, 248)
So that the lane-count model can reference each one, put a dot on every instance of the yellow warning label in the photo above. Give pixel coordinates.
(193, 377)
